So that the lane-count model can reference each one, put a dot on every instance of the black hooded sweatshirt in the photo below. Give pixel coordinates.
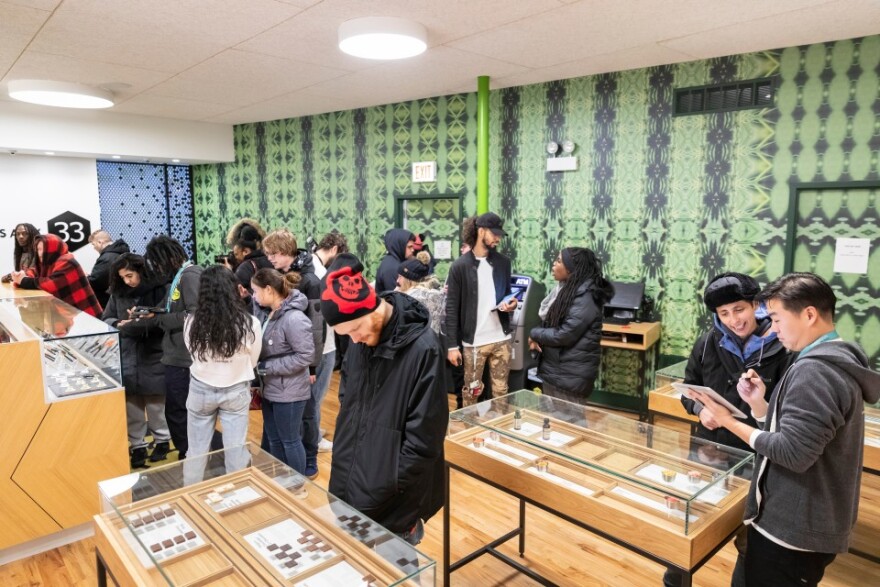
(395, 247)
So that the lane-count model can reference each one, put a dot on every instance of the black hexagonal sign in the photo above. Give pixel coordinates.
(72, 228)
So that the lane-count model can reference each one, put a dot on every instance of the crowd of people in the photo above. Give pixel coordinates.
(271, 317)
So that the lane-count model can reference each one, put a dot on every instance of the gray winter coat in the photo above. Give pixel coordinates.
(809, 461)
(288, 348)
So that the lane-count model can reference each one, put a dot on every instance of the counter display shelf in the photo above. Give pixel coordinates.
(666, 495)
(264, 524)
(63, 421)
(79, 353)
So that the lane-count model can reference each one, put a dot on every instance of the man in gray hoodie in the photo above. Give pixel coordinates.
(804, 497)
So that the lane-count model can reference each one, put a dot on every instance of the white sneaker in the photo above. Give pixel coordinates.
(322, 432)
(325, 445)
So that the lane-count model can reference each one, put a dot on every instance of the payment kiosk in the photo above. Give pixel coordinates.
(530, 293)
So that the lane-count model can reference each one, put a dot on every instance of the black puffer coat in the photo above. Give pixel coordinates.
(140, 345)
(99, 278)
(570, 352)
(714, 364)
(388, 448)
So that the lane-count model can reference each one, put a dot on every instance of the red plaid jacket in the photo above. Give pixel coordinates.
(58, 273)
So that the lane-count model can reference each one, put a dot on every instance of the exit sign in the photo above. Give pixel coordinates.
(424, 171)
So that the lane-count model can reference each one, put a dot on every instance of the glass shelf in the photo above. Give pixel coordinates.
(80, 353)
(195, 522)
(680, 480)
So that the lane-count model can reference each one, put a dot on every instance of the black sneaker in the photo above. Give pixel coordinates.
(139, 457)
(160, 452)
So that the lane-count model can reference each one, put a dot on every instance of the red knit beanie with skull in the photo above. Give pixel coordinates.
(345, 294)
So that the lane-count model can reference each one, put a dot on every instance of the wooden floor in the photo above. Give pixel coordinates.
(560, 551)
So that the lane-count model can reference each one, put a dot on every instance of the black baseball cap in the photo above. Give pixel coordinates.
(493, 222)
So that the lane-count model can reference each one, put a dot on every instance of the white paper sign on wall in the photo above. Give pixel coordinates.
(424, 171)
(851, 255)
(442, 249)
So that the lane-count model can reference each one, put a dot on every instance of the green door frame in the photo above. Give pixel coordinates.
(794, 197)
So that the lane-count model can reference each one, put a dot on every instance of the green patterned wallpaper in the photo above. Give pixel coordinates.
(672, 200)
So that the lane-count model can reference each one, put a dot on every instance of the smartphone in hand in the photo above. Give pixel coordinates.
(505, 301)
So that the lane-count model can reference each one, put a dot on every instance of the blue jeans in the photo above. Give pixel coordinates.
(312, 415)
(204, 406)
(282, 423)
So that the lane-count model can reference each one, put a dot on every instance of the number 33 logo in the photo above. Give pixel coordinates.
(71, 228)
(70, 232)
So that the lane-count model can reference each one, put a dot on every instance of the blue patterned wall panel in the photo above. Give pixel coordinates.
(139, 202)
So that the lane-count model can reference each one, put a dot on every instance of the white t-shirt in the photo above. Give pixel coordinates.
(321, 271)
(226, 372)
(488, 328)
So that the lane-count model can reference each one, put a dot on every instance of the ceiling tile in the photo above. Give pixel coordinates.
(300, 103)
(165, 35)
(577, 31)
(47, 5)
(240, 78)
(165, 107)
(833, 21)
(35, 65)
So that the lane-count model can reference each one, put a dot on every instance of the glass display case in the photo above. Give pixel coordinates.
(872, 439)
(670, 374)
(665, 492)
(80, 353)
(194, 523)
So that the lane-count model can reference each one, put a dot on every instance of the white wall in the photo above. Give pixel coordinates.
(36, 189)
(101, 134)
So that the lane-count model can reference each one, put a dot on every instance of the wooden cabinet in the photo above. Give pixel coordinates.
(53, 452)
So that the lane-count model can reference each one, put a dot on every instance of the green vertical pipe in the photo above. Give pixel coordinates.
(482, 144)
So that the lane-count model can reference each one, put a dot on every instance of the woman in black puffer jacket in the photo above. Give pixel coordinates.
(568, 338)
(143, 373)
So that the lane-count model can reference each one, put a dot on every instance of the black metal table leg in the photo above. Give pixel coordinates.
(446, 527)
(101, 569)
(522, 527)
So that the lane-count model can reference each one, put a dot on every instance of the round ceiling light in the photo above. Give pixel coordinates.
(60, 94)
(382, 37)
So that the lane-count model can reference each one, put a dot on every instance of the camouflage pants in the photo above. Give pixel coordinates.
(497, 354)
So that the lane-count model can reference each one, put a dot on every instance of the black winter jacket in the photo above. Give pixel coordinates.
(311, 286)
(395, 247)
(388, 448)
(140, 344)
(713, 365)
(461, 295)
(183, 300)
(99, 278)
(570, 352)
(250, 265)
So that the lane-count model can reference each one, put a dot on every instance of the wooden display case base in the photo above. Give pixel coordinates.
(243, 529)
(680, 530)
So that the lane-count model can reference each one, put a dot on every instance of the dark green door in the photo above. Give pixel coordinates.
(823, 216)
(439, 219)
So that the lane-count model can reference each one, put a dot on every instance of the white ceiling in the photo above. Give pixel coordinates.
(236, 61)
